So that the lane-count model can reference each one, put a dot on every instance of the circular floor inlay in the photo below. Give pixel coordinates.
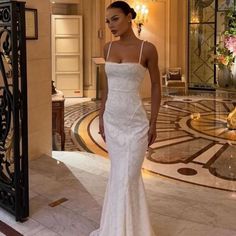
(187, 171)
(193, 142)
(213, 125)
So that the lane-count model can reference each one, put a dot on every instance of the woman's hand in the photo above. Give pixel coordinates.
(101, 128)
(152, 134)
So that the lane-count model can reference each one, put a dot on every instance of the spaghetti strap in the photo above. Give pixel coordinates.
(109, 49)
(141, 51)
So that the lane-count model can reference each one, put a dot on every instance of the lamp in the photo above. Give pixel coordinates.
(195, 17)
(194, 21)
(141, 17)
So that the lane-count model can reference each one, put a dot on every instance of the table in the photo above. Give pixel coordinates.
(58, 101)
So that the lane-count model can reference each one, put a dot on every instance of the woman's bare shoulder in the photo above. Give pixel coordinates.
(150, 52)
(150, 47)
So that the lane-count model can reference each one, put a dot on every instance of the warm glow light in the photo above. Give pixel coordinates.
(194, 21)
(137, 8)
(194, 17)
(195, 116)
(142, 15)
(231, 119)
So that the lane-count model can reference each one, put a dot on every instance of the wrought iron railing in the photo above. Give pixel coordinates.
(13, 110)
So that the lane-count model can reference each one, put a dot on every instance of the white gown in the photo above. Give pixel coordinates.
(125, 211)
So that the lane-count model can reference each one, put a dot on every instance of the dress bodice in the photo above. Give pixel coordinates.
(124, 77)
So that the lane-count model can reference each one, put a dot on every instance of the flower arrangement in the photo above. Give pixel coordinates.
(225, 51)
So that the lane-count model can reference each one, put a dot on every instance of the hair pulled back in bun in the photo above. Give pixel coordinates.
(124, 7)
(133, 13)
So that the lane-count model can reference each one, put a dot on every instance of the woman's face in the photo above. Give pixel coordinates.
(117, 21)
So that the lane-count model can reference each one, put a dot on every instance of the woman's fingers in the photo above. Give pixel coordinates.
(151, 138)
(101, 132)
(103, 136)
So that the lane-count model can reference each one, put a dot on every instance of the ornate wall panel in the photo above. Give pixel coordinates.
(202, 31)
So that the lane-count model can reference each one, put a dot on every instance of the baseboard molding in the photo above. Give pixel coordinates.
(8, 230)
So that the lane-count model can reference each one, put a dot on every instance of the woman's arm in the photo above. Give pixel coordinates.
(153, 68)
(104, 98)
(105, 87)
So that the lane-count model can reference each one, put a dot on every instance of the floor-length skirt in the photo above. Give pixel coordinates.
(125, 211)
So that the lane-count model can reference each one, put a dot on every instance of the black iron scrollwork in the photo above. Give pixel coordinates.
(13, 110)
(5, 15)
(6, 107)
(6, 121)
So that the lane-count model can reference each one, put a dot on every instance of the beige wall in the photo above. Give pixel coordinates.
(178, 34)
(174, 33)
(93, 17)
(39, 83)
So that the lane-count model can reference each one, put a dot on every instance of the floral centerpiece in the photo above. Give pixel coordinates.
(225, 58)
(225, 51)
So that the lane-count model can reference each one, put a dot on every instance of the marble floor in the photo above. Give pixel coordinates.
(67, 190)
(193, 145)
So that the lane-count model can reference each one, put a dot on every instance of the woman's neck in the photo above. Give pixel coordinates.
(128, 36)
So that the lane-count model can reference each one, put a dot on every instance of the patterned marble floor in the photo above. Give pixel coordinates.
(193, 145)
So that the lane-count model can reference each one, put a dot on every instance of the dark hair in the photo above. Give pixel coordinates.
(124, 7)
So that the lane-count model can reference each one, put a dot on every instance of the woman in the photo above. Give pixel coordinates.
(124, 125)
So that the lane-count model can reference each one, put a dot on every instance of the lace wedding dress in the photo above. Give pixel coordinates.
(125, 211)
